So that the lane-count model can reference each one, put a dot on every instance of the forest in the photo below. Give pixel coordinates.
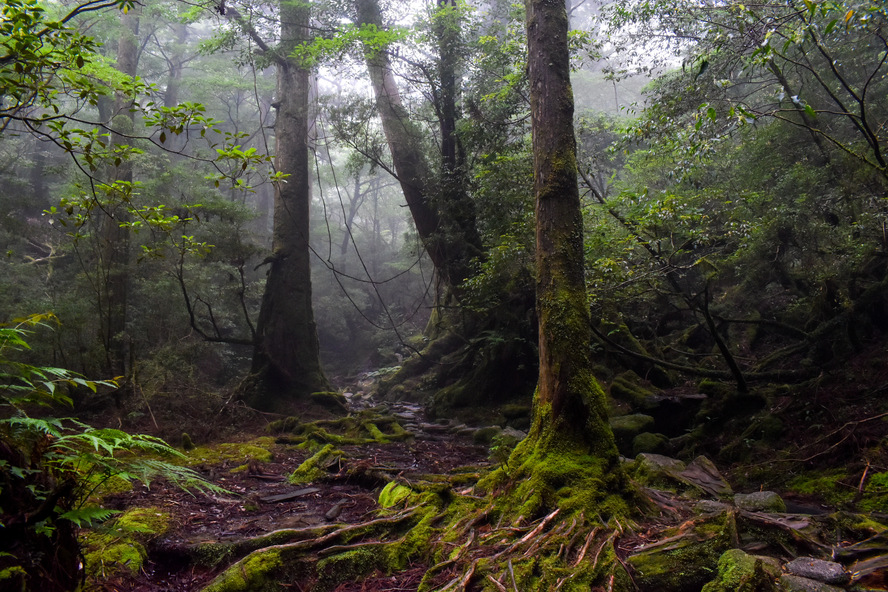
(444, 295)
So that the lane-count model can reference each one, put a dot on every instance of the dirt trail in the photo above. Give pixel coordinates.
(261, 500)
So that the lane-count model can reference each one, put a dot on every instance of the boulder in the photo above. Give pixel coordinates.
(626, 427)
(760, 501)
(828, 572)
(648, 442)
(790, 583)
(740, 572)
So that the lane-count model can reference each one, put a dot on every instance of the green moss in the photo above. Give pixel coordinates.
(648, 442)
(484, 436)
(187, 444)
(105, 555)
(539, 467)
(626, 427)
(351, 566)
(741, 572)
(153, 522)
(315, 467)
(288, 424)
(375, 433)
(417, 541)
(825, 485)
(627, 387)
(686, 560)
(254, 573)
(121, 548)
(393, 494)
(239, 452)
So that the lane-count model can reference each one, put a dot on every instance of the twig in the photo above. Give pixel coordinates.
(496, 583)
(585, 547)
(597, 553)
(512, 574)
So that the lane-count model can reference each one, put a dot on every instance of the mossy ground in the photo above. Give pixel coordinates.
(119, 545)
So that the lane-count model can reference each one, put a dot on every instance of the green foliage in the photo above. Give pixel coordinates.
(50, 466)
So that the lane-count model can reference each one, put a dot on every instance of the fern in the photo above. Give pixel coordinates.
(53, 465)
(88, 515)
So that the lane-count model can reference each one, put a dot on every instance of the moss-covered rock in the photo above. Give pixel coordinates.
(648, 442)
(316, 466)
(238, 453)
(627, 387)
(484, 436)
(121, 548)
(685, 558)
(740, 572)
(626, 427)
(760, 501)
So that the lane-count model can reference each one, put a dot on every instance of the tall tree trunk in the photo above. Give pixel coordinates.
(286, 362)
(115, 240)
(449, 240)
(569, 403)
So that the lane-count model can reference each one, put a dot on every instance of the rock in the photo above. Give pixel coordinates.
(512, 433)
(760, 501)
(626, 427)
(702, 474)
(710, 507)
(657, 466)
(789, 583)
(648, 442)
(828, 572)
(741, 572)
(683, 560)
(485, 436)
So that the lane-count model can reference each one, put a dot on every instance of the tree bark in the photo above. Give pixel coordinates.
(446, 228)
(569, 404)
(286, 361)
(115, 240)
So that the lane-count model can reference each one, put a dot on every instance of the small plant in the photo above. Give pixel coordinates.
(501, 449)
(51, 467)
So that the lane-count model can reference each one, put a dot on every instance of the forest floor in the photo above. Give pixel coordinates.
(835, 435)
(260, 499)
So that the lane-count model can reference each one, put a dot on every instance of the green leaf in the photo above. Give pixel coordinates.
(810, 111)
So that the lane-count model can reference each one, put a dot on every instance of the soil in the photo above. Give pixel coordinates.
(258, 501)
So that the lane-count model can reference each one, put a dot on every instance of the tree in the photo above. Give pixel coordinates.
(570, 442)
(444, 216)
(286, 361)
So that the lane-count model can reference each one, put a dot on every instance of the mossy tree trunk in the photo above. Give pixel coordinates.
(570, 407)
(286, 362)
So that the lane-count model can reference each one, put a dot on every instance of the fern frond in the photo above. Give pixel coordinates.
(88, 515)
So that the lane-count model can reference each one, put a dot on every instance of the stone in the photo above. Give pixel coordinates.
(760, 501)
(741, 572)
(702, 474)
(648, 442)
(510, 432)
(626, 427)
(709, 507)
(828, 572)
(657, 464)
(790, 583)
